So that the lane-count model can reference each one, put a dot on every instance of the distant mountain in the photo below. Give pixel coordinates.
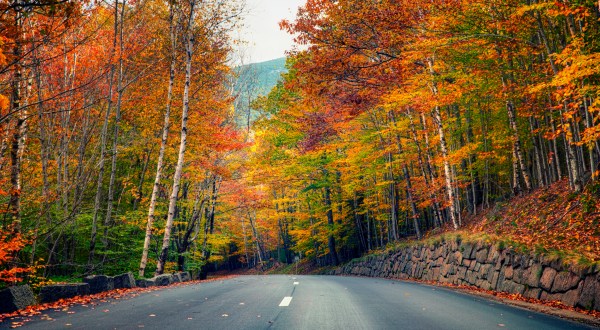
(263, 75)
(254, 80)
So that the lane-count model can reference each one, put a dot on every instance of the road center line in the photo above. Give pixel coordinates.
(285, 302)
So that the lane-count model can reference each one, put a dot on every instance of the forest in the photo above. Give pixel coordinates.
(124, 146)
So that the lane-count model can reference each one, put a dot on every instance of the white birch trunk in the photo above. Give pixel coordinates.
(182, 145)
(163, 143)
(444, 147)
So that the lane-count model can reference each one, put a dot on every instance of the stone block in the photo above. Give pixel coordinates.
(549, 296)
(124, 281)
(552, 261)
(565, 281)
(55, 292)
(453, 245)
(507, 257)
(473, 264)
(162, 280)
(547, 278)
(15, 297)
(532, 275)
(582, 270)
(145, 282)
(508, 272)
(471, 277)
(533, 293)
(439, 261)
(493, 255)
(185, 276)
(99, 283)
(498, 263)
(511, 287)
(484, 272)
(590, 293)
(467, 250)
(518, 275)
(461, 272)
(481, 255)
(494, 280)
(571, 297)
(445, 269)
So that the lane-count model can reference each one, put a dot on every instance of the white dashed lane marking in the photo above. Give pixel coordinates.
(285, 302)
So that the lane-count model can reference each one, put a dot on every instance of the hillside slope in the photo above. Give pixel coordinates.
(548, 220)
(254, 80)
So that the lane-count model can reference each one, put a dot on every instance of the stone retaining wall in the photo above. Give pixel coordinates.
(18, 297)
(486, 266)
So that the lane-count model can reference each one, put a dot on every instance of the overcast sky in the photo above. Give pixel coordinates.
(265, 41)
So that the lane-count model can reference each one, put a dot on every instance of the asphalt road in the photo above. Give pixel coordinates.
(313, 302)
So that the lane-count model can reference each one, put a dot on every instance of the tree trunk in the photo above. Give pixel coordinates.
(444, 148)
(182, 145)
(14, 204)
(163, 143)
(517, 149)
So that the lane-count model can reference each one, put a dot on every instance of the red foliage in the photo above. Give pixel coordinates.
(11, 242)
(550, 218)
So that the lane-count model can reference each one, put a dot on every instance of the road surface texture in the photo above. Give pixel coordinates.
(300, 302)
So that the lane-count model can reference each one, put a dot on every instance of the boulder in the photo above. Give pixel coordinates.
(145, 283)
(571, 297)
(15, 298)
(175, 278)
(547, 278)
(565, 281)
(533, 293)
(532, 275)
(99, 283)
(55, 292)
(511, 287)
(185, 276)
(494, 280)
(467, 250)
(590, 293)
(162, 280)
(124, 281)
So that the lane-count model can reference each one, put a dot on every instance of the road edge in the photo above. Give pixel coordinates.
(544, 309)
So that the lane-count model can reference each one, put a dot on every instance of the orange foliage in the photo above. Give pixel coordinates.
(549, 219)
(11, 243)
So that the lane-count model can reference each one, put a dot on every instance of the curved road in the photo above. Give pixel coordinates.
(302, 302)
